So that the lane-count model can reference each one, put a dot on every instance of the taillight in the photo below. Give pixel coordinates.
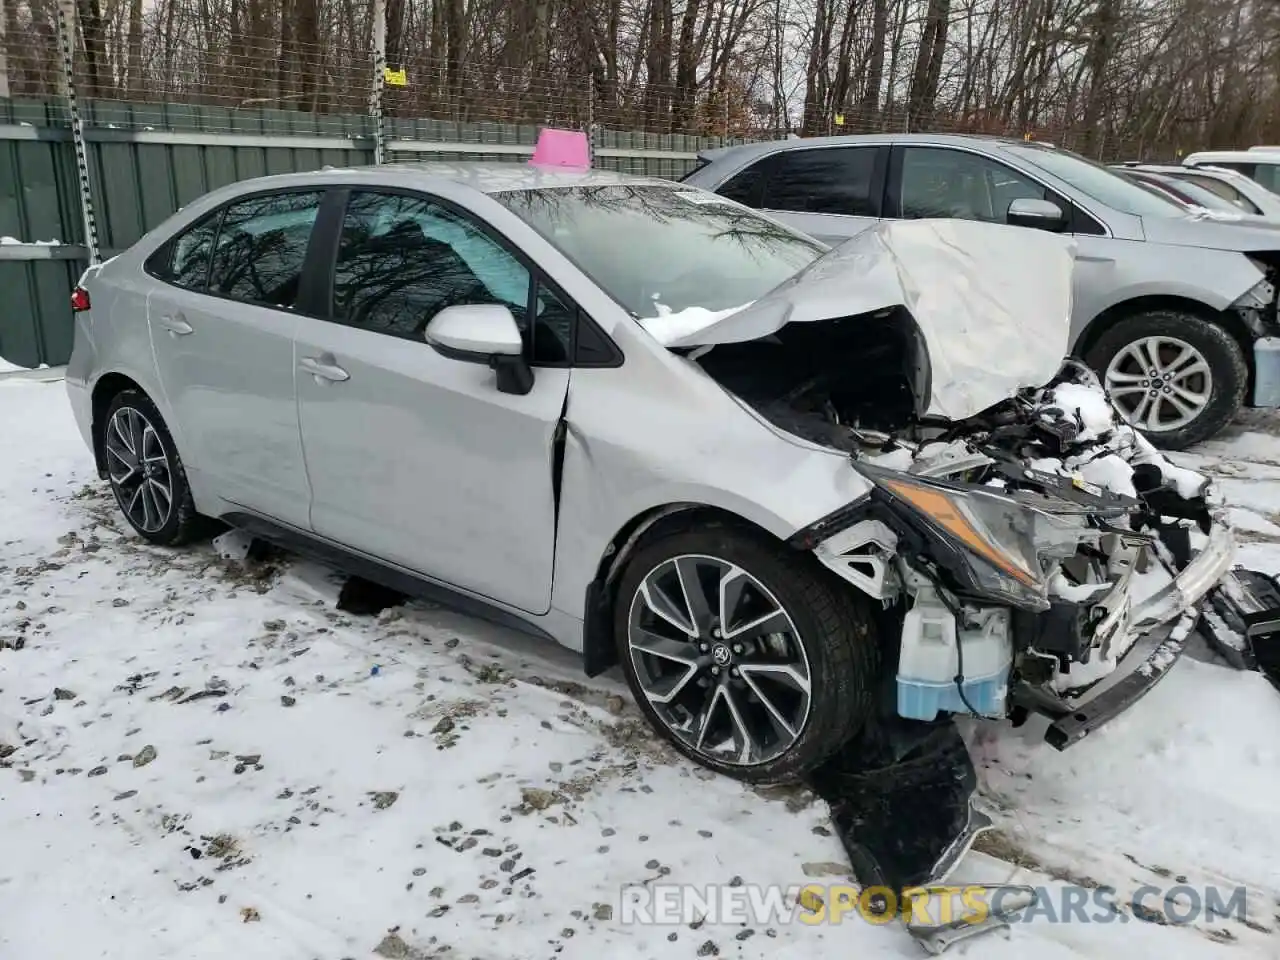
(79, 300)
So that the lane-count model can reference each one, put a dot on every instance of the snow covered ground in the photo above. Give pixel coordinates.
(212, 761)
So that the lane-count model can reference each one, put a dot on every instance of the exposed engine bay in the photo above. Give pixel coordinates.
(1105, 511)
(1020, 555)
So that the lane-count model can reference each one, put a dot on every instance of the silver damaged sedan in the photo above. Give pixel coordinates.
(793, 492)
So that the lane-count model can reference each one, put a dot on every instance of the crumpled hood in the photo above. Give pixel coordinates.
(1246, 236)
(992, 303)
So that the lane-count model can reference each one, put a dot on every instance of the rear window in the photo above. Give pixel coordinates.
(698, 165)
(262, 246)
(184, 260)
(1268, 174)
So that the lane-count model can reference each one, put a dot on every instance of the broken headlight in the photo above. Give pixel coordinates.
(1001, 545)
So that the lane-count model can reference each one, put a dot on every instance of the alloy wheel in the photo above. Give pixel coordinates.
(719, 660)
(1159, 383)
(139, 470)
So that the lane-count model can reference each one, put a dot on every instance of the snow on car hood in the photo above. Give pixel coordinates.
(993, 303)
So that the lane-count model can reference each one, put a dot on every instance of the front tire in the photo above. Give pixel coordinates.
(146, 473)
(1177, 377)
(751, 659)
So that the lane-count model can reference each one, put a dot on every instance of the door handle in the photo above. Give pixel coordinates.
(176, 325)
(321, 370)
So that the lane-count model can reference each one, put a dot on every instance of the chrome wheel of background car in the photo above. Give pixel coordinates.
(1159, 383)
(139, 469)
(719, 660)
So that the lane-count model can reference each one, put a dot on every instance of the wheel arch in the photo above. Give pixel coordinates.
(107, 388)
(599, 652)
(1108, 318)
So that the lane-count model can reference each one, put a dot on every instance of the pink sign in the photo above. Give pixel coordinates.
(561, 148)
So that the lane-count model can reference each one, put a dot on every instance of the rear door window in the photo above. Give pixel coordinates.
(262, 246)
(840, 180)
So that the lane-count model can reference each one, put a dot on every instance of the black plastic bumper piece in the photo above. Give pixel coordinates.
(1063, 629)
(1073, 722)
(1245, 628)
(900, 796)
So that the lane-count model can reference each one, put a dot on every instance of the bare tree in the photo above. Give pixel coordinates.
(1114, 78)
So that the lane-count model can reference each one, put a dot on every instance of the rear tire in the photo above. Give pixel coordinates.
(797, 685)
(1197, 366)
(146, 473)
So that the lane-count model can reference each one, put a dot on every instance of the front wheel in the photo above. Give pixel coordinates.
(1176, 377)
(753, 660)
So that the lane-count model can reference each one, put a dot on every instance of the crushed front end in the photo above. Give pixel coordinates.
(1027, 551)
(1041, 557)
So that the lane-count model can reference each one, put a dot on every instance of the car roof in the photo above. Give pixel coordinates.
(484, 177)
(765, 147)
(1208, 170)
(1152, 167)
(1233, 156)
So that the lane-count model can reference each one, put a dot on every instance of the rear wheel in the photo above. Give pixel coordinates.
(145, 471)
(751, 659)
(1177, 377)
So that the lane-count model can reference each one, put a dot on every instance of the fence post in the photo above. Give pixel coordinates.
(4, 53)
(67, 43)
(379, 79)
(591, 119)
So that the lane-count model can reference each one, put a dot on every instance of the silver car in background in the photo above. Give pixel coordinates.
(1178, 314)
(1198, 200)
(767, 478)
(1245, 194)
(1259, 163)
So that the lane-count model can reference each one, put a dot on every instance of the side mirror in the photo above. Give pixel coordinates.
(483, 333)
(1041, 214)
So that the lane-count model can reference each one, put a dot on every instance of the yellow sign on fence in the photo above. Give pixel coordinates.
(395, 78)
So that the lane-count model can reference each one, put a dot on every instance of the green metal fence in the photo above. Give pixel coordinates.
(147, 160)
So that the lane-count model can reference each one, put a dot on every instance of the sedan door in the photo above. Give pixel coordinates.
(222, 328)
(415, 458)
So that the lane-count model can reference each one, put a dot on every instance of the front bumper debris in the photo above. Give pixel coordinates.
(1173, 611)
(1195, 580)
(902, 802)
(1075, 718)
(1241, 621)
(936, 937)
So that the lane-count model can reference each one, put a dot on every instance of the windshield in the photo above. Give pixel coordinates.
(1097, 182)
(661, 250)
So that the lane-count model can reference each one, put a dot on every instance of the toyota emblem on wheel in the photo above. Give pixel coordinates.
(721, 655)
